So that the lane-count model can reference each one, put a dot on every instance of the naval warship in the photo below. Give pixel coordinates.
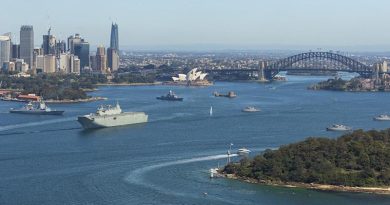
(41, 109)
(171, 96)
(111, 116)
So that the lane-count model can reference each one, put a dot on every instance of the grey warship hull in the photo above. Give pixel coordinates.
(37, 112)
(126, 118)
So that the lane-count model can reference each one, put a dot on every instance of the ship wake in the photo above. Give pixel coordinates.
(33, 124)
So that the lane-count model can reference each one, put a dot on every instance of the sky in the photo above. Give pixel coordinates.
(208, 24)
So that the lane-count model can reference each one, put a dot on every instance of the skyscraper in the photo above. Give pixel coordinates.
(15, 51)
(5, 49)
(114, 41)
(73, 40)
(60, 47)
(113, 59)
(101, 59)
(81, 49)
(113, 50)
(49, 44)
(27, 44)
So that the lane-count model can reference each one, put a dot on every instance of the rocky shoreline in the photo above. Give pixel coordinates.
(320, 187)
(91, 99)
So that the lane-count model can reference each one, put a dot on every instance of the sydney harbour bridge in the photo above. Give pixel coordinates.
(268, 72)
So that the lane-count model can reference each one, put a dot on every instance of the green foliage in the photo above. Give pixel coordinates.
(356, 159)
(54, 86)
(134, 78)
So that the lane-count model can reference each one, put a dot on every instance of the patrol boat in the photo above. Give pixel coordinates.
(41, 109)
(111, 116)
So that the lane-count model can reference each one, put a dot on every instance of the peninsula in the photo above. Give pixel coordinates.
(355, 162)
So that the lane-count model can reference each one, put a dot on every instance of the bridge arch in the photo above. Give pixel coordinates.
(286, 63)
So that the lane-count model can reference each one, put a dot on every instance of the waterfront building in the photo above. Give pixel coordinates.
(101, 59)
(192, 76)
(27, 44)
(5, 48)
(113, 59)
(114, 41)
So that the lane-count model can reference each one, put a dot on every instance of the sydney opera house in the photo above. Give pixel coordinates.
(194, 77)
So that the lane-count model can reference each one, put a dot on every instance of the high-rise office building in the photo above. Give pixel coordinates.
(113, 50)
(113, 59)
(76, 65)
(15, 51)
(49, 64)
(81, 50)
(92, 62)
(37, 52)
(49, 44)
(114, 41)
(101, 59)
(60, 47)
(73, 40)
(27, 44)
(5, 49)
(40, 63)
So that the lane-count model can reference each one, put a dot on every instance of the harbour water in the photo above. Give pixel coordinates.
(52, 160)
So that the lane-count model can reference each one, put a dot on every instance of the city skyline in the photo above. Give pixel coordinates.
(198, 25)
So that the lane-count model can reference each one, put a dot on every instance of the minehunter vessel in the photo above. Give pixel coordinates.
(41, 109)
(111, 116)
(171, 96)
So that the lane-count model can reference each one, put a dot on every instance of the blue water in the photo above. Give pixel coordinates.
(51, 160)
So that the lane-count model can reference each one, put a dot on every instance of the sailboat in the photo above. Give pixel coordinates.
(211, 111)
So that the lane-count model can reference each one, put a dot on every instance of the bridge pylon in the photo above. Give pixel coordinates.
(262, 76)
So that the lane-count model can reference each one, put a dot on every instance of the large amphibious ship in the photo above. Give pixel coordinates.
(111, 116)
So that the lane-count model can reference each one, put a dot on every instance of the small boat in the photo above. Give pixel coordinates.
(337, 127)
(251, 109)
(382, 118)
(171, 96)
(211, 111)
(41, 109)
(243, 151)
(214, 172)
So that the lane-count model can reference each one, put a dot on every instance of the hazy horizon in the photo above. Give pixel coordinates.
(353, 25)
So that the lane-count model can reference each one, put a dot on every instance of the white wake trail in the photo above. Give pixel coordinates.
(136, 175)
(32, 124)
